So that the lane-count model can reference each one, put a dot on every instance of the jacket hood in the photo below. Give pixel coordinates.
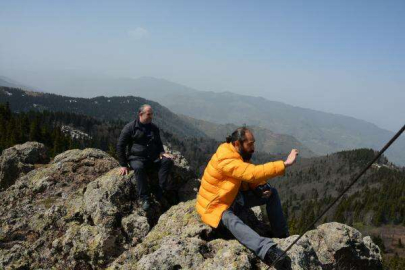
(226, 151)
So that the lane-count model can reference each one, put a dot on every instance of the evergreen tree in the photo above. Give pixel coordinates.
(35, 130)
(112, 150)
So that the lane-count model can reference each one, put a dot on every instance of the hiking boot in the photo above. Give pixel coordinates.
(272, 254)
(145, 205)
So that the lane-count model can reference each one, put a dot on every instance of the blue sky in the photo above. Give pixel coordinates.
(335, 56)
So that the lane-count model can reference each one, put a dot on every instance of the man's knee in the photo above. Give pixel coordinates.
(274, 191)
(225, 219)
(137, 166)
(229, 219)
(167, 161)
(273, 197)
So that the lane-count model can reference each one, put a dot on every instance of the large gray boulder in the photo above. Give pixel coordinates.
(341, 247)
(20, 159)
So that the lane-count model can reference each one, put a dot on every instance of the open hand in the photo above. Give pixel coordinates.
(266, 193)
(123, 171)
(291, 158)
(166, 155)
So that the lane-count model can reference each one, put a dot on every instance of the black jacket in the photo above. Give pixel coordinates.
(139, 145)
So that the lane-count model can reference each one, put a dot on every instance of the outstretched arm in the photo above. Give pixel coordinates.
(236, 168)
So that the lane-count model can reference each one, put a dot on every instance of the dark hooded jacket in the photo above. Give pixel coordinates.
(139, 141)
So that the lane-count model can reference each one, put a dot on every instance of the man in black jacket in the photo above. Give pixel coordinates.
(145, 153)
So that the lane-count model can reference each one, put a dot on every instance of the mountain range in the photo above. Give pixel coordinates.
(321, 132)
(266, 140)
(4, 81)
(124, 109)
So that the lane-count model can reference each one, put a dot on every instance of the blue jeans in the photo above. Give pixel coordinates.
(246, 235)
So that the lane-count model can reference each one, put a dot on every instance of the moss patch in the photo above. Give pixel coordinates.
(48, 202)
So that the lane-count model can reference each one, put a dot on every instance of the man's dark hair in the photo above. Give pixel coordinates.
(238, 135)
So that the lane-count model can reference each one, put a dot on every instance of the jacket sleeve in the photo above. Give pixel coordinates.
(123, 141)
(250, 173)
(160, 144)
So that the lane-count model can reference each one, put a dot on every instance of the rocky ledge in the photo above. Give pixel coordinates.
(76, 212)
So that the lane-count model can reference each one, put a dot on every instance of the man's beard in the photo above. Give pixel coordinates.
(245, 154)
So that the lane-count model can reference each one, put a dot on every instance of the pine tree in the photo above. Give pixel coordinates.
(11, 138)
(112, 150)
(35, 130)
(57, 142)
(7, 112)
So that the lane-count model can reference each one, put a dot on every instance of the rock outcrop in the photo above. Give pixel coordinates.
(78, 213)
(180, 241)
(75, 212)
(20, 159)
(45, 207)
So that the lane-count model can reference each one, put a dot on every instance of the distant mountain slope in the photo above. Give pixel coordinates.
(321, 132)
(266, 141)
(6, 82)
(114, 108)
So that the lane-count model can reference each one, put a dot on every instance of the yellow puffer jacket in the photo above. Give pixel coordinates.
(223, 177)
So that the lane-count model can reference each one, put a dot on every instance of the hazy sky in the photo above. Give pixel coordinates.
(345, 57)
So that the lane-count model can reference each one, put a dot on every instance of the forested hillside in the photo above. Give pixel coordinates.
(45, 127)
(101, 108)
(124, 109)
(58, 131)
(375, 205)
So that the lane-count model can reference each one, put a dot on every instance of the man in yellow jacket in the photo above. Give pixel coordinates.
(231, 181)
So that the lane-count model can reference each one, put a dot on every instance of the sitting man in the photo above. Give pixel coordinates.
(231, 181)
(145, 153)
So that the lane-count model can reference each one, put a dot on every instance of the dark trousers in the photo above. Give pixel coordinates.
(246, 235)
(143, 167)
